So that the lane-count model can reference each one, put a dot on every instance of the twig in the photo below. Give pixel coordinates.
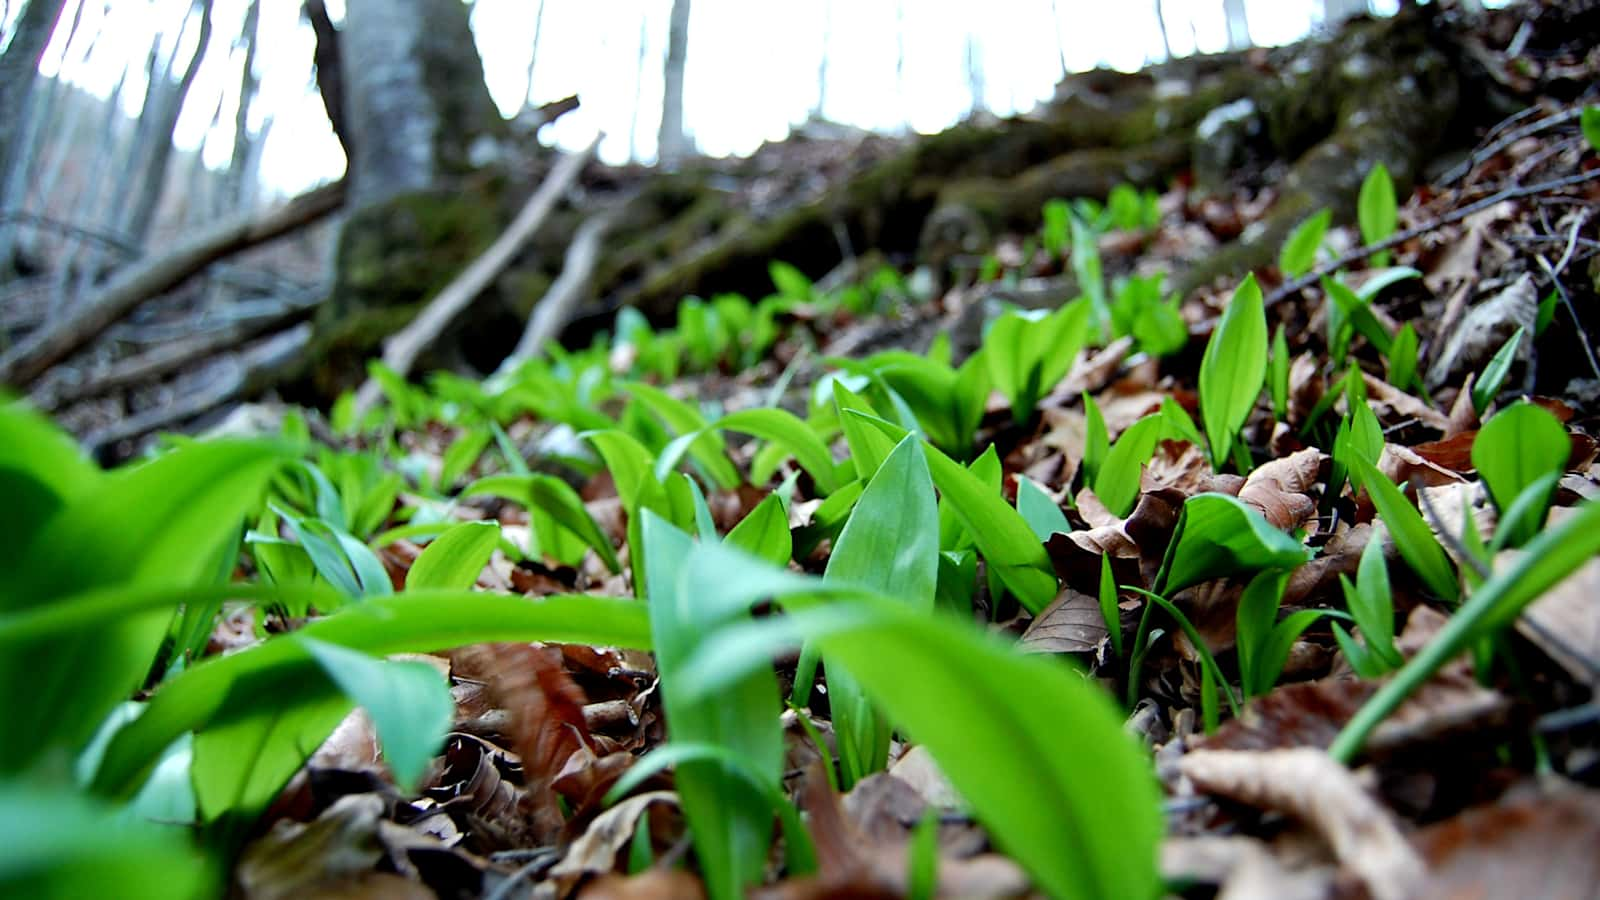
(553, 310)
(1477, 156)
(1292, 287)
(401, 350)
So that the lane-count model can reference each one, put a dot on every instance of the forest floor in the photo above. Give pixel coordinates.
(1281, 587)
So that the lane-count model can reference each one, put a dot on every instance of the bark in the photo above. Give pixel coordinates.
(400, 351)
(19, 70)
(638, 84)
(1238, 24)
(60, 338)
(822, 61)
(235, 191)
(672, 145)
(154, 179)
(553, 311)
(330, 79)
(414, 95)
(533, 54)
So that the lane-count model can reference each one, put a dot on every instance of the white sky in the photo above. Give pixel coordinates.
(752, 67)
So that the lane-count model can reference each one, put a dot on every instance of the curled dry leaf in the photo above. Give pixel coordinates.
(595, 851)
(1402, 464)
(1179, 466)
(294, 857)
(651, 884)
(1243, 867)
(1278, 489)
(1093, 373)
(1385, 397)
(1484, 329)
(1565, 621)
(1310, 786)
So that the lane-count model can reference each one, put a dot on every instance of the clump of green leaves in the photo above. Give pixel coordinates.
(1376, 211)
(1233, 370)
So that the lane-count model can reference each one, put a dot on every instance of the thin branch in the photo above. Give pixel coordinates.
(1312, 277)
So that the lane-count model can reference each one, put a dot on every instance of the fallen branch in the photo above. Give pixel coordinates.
(553, 310)
(1289, 288)
(236, 376)
(401, 350)
(57, 340)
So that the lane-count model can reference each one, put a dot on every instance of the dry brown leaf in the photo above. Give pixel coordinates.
(1565, 621)
(294, 857)
(595, 851)
(1072, 623)
(1094, 513)
(1179, 466)
(1277, 489)
(1484, 329)
(1401, 404)
(1092, 374)
(1530, 845)
(917, 768)
(651, 884)
(1243, 867)
(1402, 464)
(1310, 786)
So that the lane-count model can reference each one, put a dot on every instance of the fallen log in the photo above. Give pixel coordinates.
(55, 341)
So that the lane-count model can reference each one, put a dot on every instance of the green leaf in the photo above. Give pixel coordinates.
(1000, 532)
(764, 533)
(408, 702)
(414, 622)
(1299, 252)
(1081, 816)
(1274, 653)
(730, 820)
(1254, 620)
(1278, 375)
(1028, 353)
(868, 446)
(1038, 510)
(708, 449)
(790, 281)
(460, 457)
(1547, 312)
(49, 853)
(1233, 369)
(1402, 358)
(1589, 120)
(1487, 387)
(1097, 441)
(1416, 542)
(1518, 446)
(787, 430)
(1550, 557)
(1376, 211)
(1219, 535)
(890, 545)
(168, 521)
(1108, 603)
(1118, 483)
(456, 558)
(1372, 604)
(41, 470)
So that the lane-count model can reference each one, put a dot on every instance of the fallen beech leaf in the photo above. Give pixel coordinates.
(1310, 786)
(595, 851)
(1565, 621)
(1243, 867)
(1530, 845)
(651, 884)
(1453, 453)
(294, 857)
(917, 768)
(1277, 489)
(1402, 464)
(1402, 404)
(1072, 623)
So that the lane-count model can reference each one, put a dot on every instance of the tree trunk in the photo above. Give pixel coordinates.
(234, 190)
(822, 60)
(1238, 24)
(533, 54)
(330, 74)
(19, 69)
(672, 145)
(154, 180)
(414, 95)
(638, 83)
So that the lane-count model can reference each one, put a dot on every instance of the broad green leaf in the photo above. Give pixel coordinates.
(730, 820)
(456, 558)
(708, 450)
(1233, 369)
(1519, 445)
(1372, 604)
(1550, 557)
(1085, 260)
(1081, 816)
(1299, 252)
(408, 702)
(789, 281)
(1117, 485)
(890, 545)
(1108, 603)
(164, 522)
(1547, 312)
(1001, 534)
(1487, 387)
(1219, 535)
(1038, 510)
(555, 497)
(1255, 619)
(869, 447)
(1376, 211)
(794, 436)
(1097, 441)
(1274, 652)
(1524, 515)
(1383, 278)
(41, 469)
(1028, 353)
(413, 622)
(1411, 534)
(764, 532)
(1590, 122)
(61, 844)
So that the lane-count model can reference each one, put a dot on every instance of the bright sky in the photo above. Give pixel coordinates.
(752, 68)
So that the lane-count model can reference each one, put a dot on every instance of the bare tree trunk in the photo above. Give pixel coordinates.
(65, 136)
(330, 74)
(1161, 26)
(533, 55)
(58, 339)
(638, 83)
(822, 60)
(37, 117)
(1238, 24)
(19, 69)
(900, 56)
(233, 190)
(975, 83)
(672, 145)
(1061, 47)
(154, 180)
(87, 207)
